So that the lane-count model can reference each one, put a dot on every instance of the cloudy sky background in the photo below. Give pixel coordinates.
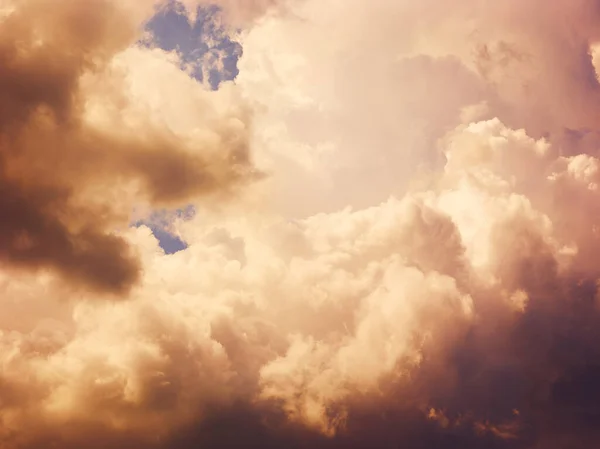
(299, 223)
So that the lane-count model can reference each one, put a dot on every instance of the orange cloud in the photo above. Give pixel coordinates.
(418, 269)
(52, 157)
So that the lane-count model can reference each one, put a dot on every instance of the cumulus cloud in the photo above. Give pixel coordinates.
(77, 148)
(418, 269)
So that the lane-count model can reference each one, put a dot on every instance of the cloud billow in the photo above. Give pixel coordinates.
(417, 269)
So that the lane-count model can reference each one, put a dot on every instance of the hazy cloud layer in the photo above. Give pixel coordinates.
(417, 270)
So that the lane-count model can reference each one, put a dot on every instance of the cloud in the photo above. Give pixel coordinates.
(236, 12)
(74, 138)
(418, 269)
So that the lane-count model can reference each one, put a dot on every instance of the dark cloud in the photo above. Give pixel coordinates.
(50, 155)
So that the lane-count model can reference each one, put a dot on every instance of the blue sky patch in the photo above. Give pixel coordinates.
(199, 44)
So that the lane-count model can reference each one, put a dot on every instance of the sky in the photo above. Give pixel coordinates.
(328, 224)
(198, 42)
